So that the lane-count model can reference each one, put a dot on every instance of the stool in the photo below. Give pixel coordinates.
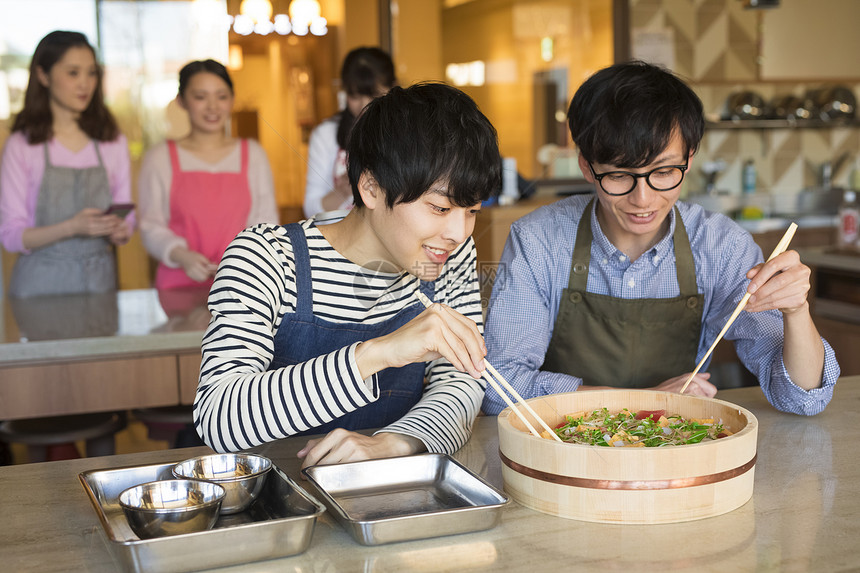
(175, 424)
(50, 439)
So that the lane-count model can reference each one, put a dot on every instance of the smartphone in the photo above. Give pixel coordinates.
(120, 209)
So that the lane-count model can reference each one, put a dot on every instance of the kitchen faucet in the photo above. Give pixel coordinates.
(829, 169)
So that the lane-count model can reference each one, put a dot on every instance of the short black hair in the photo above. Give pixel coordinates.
(191, 69)
(625, 115)
(411, 138)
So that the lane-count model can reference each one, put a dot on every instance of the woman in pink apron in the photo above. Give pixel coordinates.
(198, 192)
(63, 166)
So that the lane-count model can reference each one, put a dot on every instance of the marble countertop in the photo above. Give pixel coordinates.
(804, 514)
(95, 325)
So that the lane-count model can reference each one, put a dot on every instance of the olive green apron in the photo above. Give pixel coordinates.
(76, 264)
(626, 343)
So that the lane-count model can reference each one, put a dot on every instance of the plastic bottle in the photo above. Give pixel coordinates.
(849, 217)
(748, 177)
(510, 192)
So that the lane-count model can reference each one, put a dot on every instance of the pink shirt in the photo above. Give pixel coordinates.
(21, 173)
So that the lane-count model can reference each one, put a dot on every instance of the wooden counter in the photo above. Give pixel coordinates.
(804, 514)
(494, 224)
(90, 353)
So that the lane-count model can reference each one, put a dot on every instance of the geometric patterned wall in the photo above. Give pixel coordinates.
(716, 51)
(714, 39)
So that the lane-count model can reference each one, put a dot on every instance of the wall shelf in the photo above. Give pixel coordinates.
(764, 125)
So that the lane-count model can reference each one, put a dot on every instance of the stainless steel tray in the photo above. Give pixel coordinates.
(413, 497)
(278, 524)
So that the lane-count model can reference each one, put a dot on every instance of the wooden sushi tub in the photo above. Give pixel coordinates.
(626, 484)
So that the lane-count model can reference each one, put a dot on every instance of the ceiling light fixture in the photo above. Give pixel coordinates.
(255, 17)
(306, 16)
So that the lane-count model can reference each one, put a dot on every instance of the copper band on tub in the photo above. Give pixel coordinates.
(631, 484)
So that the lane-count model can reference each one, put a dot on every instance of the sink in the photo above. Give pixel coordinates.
(781, 223)
(764, 225)
(809, 221)
(818, 201)
(717, 202)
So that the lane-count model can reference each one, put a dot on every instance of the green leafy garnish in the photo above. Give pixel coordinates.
(626, 428)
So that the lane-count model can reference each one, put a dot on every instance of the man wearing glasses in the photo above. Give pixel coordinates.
(629, 287)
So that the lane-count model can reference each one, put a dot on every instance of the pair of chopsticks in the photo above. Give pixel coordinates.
(780, 248)
(489, 374)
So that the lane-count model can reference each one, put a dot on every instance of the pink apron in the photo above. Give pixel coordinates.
(208, 210)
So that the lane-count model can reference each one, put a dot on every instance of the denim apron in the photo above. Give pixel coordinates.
(626, 343)
(74, 265)
(302, 336)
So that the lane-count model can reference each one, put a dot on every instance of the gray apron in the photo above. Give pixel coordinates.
(626, 343)
(78, 264)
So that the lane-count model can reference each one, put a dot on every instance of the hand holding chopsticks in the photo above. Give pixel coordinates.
(492, 376)
(780, 248)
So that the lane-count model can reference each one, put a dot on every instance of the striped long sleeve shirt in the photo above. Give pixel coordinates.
(241, 404)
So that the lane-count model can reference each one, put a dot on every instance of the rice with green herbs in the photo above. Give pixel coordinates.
(646, 428)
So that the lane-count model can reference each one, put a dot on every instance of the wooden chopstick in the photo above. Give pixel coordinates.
(513, 406)
(519, 398)
(496, 386)
(780, 248)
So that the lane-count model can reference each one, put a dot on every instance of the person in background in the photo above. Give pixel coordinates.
(367, 73)
(318, 329)
(198, 192)
(629, 287)
(63, 166)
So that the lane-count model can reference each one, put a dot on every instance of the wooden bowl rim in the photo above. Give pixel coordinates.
(506, 417)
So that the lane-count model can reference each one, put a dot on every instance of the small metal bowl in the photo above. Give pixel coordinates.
(171, 507)
(745, 105)
(241, 475)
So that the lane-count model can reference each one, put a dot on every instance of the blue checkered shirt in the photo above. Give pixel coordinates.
(535, 268)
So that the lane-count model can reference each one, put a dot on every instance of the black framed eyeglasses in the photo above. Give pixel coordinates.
(663, 178)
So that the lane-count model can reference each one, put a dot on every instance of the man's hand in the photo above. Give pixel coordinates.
(700, 385)
(340, 446)
(781, 283)
(438, 331)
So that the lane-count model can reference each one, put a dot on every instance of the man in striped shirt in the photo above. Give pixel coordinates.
(629, 287)
(317, 329)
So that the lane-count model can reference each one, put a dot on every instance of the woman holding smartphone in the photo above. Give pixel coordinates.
(63, 167)
(198, 192)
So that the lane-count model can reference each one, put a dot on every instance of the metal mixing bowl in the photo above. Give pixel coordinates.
(171, 507)
(836, 102)
(745, 105)
(789, 107)
(241, 475)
